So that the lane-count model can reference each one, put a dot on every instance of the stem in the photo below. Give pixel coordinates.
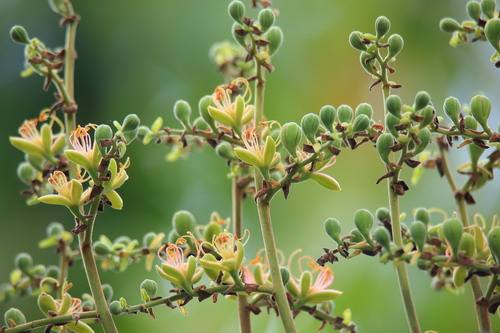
(63, 269)
(237, 216)
(69, 67)
(482, 315)
(90, 266)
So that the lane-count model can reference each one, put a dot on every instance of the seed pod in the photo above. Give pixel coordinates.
(396, 44)
(23, 261)
(488, 8)
(266, 19)
(14, 317)
(384, 144)
(356, 41)
(183, 222)
(26, 173)
(101, 248)
(344, 113)
(19, 35)
(115, 308)
(422, 214)
(381, 235)
(468, 244)
(474, 10)
(452, 108)
(361, 123)
(182, 112)
(356, 236)
(327, 114)
(382, 26)
(236, 10)
(450, 25)
(480, 108)
(291, 135)
(108, 292)
(424, 135)
(494, 243)
(211, 230)
(383, 214)
(275, 38)
(310, 126)
(364, 108)
(422, 99)
(418, 232)
(102, 134)
(453, 230)
(285, 275)
(427, 114)
(333, 228)
(363, 220)
(393, 105)
(150, 286)
(492, 32)
(225, 150)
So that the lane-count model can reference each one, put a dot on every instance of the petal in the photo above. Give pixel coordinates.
(78, 158)
(115, 199)
(322, 296)
(221, 116)
(26, 146)
(326, 181)
(269, 151)
(54, 199)
(246, 156)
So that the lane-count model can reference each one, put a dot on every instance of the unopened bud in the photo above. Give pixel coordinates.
(182, 112)
(344, 113)
(266, 19)
(275, 38)
(396, 44)
(333, 228)
(363, 220)
(19, 34)
(236, 10)
(384, 144)
(450, 25)
(310, 126)
(183, 222)
(381, 235)
(418, 232)
(291, 136)
(382, 26)
(452, 108)
(327, 114)
(453, 230)
(356, 41)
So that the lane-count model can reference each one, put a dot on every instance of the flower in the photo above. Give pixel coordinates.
(32, 141)
(84, 152)
(256, 272)
(174, 267)
(231, 253)
(69, 193)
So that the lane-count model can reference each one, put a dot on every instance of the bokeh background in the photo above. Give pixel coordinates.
(141, 56)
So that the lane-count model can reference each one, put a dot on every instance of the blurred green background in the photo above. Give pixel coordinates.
(141, 56)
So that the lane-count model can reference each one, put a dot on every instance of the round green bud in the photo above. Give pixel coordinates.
(450, 25)
(14, 317)
(396, 44)
(275, 38)
(102, 134)
(23, 261)
(470, 122)
(200, 124)
(453, 230)
(427, 114)
(356, 236)
(150, 286)
(236, 10)
(361, 123)
(488, 8)
(364, 108)
(363, 220)
(142, 132)
(115, 308)
(291, 136)
(382, 26)
(310, 126)
(356, 41)
(53, 272)
(381, 235)
(38, 271)
(474, 10)
(391, 121)
(26, 173)
(468, 244)
(422, 214)
(59, 7)
(19, 35)
(333, 228)
(148, 238)
(203, 105)
(101, 249)
(492, 32)
(182, 112)
(183, 222)
(108, 292)
(383, 214)
(130, 127)
(418, 232)
(384, 145)
(424, 135)
(344, 113)
(480, 108)
(393, 105)
(54, 229)
(367, 61)
(494, 243)
(422, 99)
(452, 109)
(285, 275)
(211, 230)
(225, 150)
(327, 114)
(266, 19)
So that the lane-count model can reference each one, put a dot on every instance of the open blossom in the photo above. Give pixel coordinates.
(33, 141)
(69, 192)
(231, 252)
(83, 152)
(256, 272)
(182, 272)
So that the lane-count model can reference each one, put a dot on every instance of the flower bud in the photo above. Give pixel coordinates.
(344, 113)
(480, 108)
(383, 214)
(327, 114)
(275, 38)
(393, 105)
(424, 135)
(236, 10)
(23, 261)
(453, 230)
(363, 220)
(468, 244)
(367, 61)
(470, 122)
(53, 272)
(418, 232)
(150, 287)
(475, 153)
(391, 121)
(58, 7)
(46, 303)
(381, 235)
(305, 283)
(423, 215)
(14, 317)
(474, 10)
(356, 236)
(102, 249)
(54, 229)
(291, 136)
(173, 236)
(361, 123)
(147, 239)
(285, 275)
(427, 114)
(364, 108)
(115, 308)
(492, 32)
(266, 19)
(450, 25)
(130, 127)
(422, 99)
(333, 228)
(38, 271)
(494, 243)
(452, 108)
(182, 112)
(26, 173)
(108, 292)
(459, 275)
(225, 150)
(211, 230)
(356, 41)
(19, 34)
(310, 126)
(183, 222)
(384, 144)
(488, 8)
(396, 44)
(382, 26)
(203, 105)
(102, 134)
(200, 124)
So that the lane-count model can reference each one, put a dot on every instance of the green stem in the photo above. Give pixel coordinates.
(63, 269)
(237, 217)
(69, 68)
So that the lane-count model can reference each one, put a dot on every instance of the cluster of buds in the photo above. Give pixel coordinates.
(484, 24)
(230, 60)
